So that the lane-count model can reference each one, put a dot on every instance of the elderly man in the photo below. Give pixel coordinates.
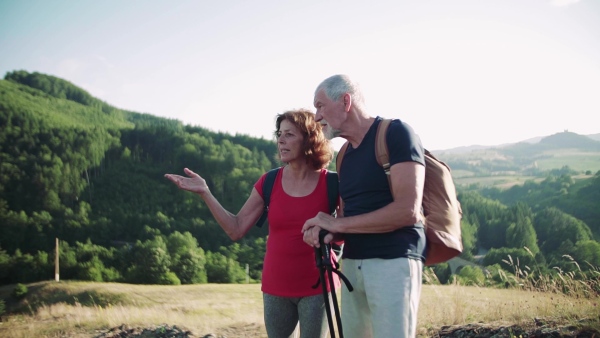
(382, 228)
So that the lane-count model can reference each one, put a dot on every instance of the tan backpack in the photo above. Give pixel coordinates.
(441, 208)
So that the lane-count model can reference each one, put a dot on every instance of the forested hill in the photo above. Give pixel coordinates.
(76, 168)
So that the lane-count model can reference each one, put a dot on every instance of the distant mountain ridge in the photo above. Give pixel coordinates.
(564, 139)
(568, 139)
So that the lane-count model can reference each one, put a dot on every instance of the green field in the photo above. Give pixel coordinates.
(587, 163)
(500, 181)
(580, 161)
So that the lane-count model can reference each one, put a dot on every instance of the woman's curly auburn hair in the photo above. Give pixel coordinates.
(317, 148)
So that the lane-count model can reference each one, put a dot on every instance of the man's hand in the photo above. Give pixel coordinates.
(313, 226)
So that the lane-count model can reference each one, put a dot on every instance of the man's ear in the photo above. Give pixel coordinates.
(347, 101)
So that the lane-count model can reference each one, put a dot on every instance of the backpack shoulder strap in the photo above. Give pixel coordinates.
(332, 190)
(340, 156)
(267, 187)
(381, 148)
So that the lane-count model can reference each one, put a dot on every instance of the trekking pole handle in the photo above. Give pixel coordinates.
(325, 248)
(322, 235)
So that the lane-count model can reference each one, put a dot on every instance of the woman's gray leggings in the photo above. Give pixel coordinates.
(282, 315)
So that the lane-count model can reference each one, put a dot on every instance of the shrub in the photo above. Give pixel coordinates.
(2, 307)
(470, 275)
(169, 278)
(20, 291)
(221, 269)
(443, 272)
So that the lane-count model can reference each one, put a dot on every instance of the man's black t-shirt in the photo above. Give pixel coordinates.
(364, 188)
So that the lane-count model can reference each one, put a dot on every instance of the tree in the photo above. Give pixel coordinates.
(469, 239)
(150, 263)
(587, 254)
(554, 227)
(248, 252)
(442, 272)
(220, 269)
(92, 263)
(488, 217)
(190, 267)
(29, 268)
(187, 259)
(522, 235)
(6, 266)
(516, 260)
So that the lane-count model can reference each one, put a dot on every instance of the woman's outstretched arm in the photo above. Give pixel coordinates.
(236, 226)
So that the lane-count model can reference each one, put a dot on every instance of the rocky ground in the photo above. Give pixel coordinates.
(537, 329)
(168, 331)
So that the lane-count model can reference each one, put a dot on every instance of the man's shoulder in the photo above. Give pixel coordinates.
(403, 143)
(399, 123)
(399, 128)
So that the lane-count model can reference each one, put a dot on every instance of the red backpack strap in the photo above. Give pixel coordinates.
(381, 148)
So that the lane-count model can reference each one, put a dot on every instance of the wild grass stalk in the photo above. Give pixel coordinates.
(575, 283)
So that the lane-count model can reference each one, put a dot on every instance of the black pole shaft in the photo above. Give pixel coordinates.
(326, 299)
(335, 301)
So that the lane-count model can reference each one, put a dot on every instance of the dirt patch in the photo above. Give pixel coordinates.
(163, 331)
(167, 331)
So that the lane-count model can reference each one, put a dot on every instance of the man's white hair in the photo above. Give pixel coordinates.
(337, 85)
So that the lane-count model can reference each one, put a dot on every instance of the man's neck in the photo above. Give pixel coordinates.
(359, 129)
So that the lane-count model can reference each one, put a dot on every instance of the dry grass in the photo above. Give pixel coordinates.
(62, 310)
(458, 305)
(54, 309)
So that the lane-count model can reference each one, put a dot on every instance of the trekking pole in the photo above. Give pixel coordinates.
(326, 253)
(323, 260)
(323, 280)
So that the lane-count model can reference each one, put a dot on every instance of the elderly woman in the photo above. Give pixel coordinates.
(299, 193)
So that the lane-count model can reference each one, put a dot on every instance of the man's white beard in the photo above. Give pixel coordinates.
(331, 133)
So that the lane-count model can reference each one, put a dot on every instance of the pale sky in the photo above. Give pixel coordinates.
(460, 72)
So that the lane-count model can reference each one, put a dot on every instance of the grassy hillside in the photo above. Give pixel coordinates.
(77, 309)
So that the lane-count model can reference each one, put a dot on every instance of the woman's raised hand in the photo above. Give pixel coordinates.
(194, 183)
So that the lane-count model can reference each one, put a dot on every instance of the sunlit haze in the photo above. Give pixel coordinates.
(461, 72)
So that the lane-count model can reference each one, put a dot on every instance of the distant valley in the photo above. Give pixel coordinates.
(532, 159)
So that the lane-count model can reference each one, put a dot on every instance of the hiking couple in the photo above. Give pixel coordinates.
(382, 229)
